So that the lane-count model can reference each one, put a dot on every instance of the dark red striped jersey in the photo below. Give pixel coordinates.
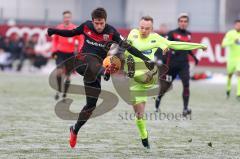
(95, 42)
(98, 43)
(179, 35)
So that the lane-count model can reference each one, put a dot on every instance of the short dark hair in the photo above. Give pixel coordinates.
(99, 13)
(147, 18)
(66, 12)
(237, 21)
(183, 17)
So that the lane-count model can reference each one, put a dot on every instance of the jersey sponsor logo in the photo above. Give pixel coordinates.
(183, 38)
(95, 43)
(97, 37)
(147, 52)
(105, 37)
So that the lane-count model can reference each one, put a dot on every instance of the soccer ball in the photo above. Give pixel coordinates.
(112, 60)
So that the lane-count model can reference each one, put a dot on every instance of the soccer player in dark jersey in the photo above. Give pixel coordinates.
(177, 62)
(97, 36)
(63, 48)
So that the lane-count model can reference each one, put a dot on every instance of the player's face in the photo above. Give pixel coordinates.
(183, 23)
(145, 28)
(67, 18)
(237, 26)
(99, 24)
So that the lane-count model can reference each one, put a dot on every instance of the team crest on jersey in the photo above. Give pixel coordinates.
(135, 36)
(153, 41)
(105, 37)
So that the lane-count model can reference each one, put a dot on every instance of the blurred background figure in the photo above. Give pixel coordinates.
(5, 61)
(63, 51)
(163, 30)
(232, 41)
(178, 63)
(15, 47)
(28, 51)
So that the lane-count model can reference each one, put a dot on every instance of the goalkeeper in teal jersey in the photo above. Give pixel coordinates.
(232, 41)
(142, 79)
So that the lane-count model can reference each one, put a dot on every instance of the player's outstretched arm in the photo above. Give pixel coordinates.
(165, 44)
(176, 45)
(65, 33)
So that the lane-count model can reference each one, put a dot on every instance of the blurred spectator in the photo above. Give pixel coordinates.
(5, 61)
(29, 53)
(15, 47)
(163, 30)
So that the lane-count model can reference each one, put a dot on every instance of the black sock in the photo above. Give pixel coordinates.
(59, 82)
(84, 115)
(66, 86)
(185, 102)
(158, 101)
(185, 95)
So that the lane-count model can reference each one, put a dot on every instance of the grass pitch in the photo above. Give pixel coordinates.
(30, 128)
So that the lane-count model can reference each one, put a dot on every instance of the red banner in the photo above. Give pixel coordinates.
(214, 56)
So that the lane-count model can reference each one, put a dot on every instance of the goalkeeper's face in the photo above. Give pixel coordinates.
(99, 24)
(145, 28)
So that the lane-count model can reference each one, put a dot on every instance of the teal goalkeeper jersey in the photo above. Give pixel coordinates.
(149, 45)
(229, 41)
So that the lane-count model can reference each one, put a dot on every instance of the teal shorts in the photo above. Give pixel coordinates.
(139, 91)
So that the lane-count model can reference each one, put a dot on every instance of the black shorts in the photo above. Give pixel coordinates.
(90, 67)
(175, 69)
(65, 60)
